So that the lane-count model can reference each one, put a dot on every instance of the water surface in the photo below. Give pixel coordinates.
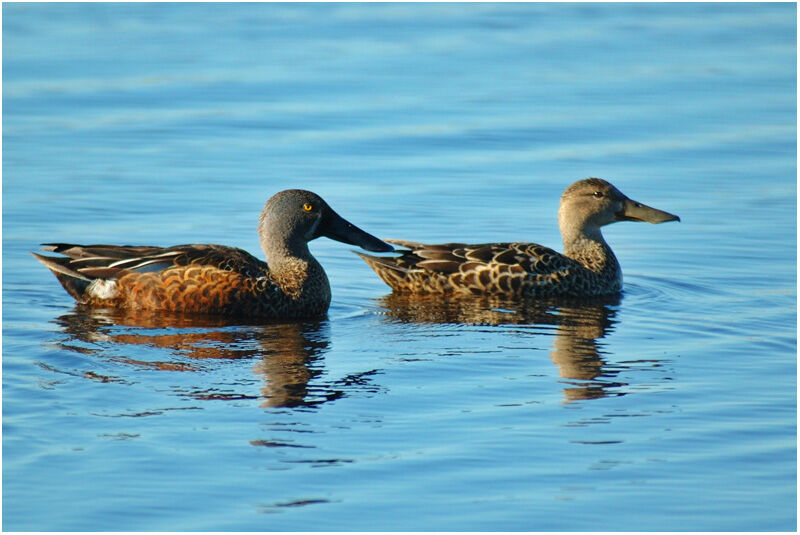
(670, 407)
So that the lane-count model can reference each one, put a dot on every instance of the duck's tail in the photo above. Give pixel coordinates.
(73, 281)
(84, 271)
(388, 269)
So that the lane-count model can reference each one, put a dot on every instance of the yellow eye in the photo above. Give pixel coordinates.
(307, 207)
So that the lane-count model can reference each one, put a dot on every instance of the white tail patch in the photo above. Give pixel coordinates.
(103, 289)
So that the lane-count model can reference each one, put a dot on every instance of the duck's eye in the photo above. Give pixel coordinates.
(307, 207)
(598, 194)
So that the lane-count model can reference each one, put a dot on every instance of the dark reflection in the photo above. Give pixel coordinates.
(578, 324)
(287, 355)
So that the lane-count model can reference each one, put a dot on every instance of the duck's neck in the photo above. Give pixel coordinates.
(294, 269)
(587, 246)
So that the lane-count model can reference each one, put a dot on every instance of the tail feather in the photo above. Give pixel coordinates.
(407, 244)
(74, 283)
(379, 262)
(60, 265)
(388, 269)
(419, 268)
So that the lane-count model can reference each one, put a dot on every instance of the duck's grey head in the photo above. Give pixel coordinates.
(293, 217)
(594, 202)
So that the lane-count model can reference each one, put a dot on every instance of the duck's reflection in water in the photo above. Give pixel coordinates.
(288, 355)
(577, 325)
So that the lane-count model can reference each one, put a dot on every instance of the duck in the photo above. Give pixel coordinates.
(586, 268)
(217, 279)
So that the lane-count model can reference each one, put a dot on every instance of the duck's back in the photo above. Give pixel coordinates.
(513, 269)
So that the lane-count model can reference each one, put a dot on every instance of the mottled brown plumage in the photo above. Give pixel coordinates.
(587, 267)
(215, 279)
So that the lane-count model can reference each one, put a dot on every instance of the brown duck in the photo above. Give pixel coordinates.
(587, 267)
(215, 279)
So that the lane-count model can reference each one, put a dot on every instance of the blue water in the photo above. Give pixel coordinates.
(672, 407)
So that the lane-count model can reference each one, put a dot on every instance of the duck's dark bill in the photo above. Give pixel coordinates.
(636, 211)
(337, 228)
